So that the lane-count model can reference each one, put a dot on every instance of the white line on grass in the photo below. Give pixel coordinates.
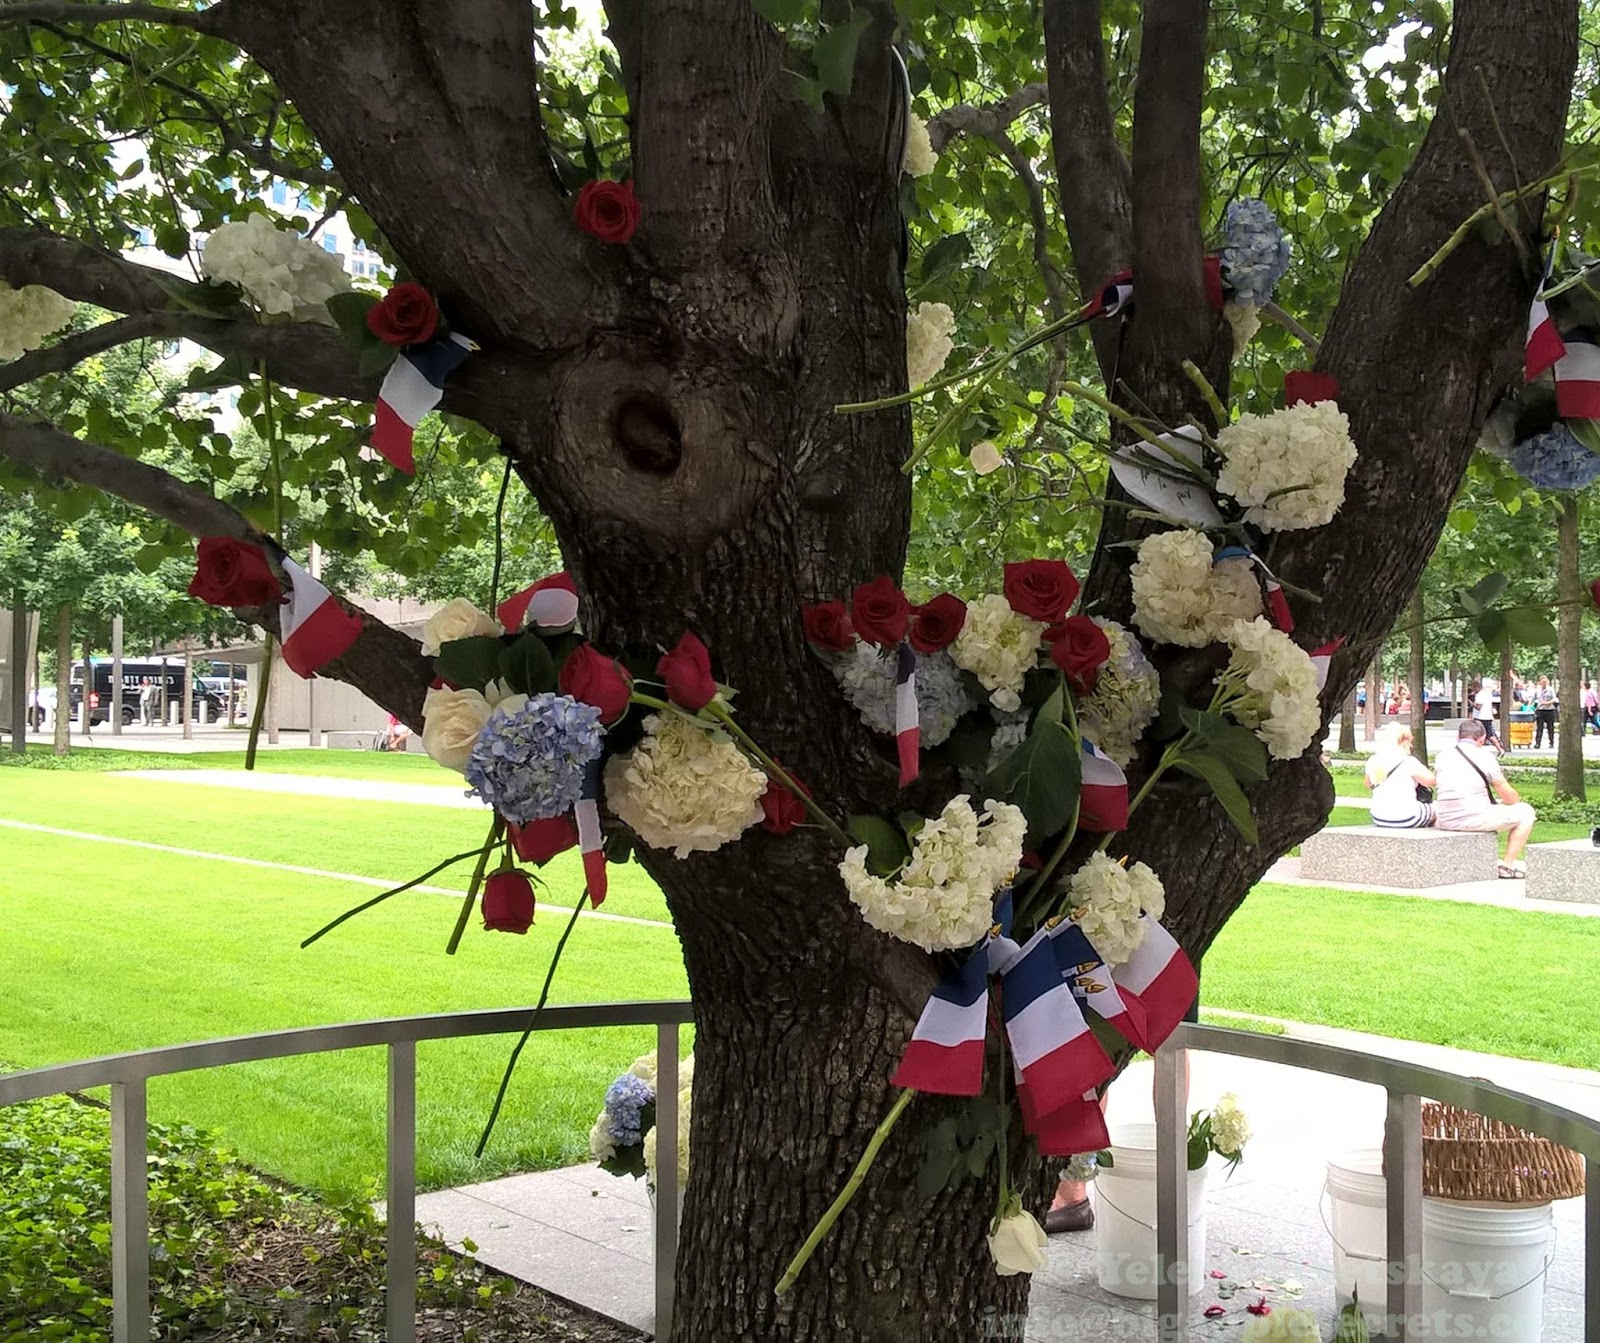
(381, 883)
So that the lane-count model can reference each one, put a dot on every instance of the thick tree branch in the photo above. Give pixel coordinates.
(74, 350)
(383, 664)
(985, 117)
(85, 11)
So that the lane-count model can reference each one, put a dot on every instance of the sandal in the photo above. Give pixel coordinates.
(1509, 872)
(1077, 1216)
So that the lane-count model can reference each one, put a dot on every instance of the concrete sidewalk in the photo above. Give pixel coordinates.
(1266, 1235)
(449, 791)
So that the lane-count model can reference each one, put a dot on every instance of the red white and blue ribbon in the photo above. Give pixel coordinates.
(1577, 375)
(1160, 979)
(907, 724)
(1321, 657)
(1277, 604)
(587, 815)
(945, 1053)
(1545, 346)
(314, 628)
(549, 606)
(412, 387)
(1103, 796)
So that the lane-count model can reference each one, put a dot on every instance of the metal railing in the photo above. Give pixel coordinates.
(1405, 1084)
(128, 1075)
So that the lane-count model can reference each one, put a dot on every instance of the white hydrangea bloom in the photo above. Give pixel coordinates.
(1288, 468)
(920, 159)
(456, 619)
(1245, 319)
(601, 1145)
(1126, 698)
(930, 331)
(1276, 687)
(999, 646)
(685, 1114)
(684, 789)
(943, 898)
(1107, 899)
(28, 315)
(1181, 597)
(284, 274)
(1230, 1130)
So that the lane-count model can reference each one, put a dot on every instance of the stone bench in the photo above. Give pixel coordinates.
(1567, 869)
(1376, 856)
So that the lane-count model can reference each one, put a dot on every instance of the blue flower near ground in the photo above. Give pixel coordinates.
(625, 1102)
(1255, 251)
(528, 763)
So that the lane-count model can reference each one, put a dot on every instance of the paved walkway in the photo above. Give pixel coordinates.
(1265, 1234)
(441, 794)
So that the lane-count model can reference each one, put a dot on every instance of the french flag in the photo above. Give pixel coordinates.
(1321, 657)
(590, 840)
(1078, 1126)
(1115, 295)
(907, 726)
(1160, 979)
(315, 629)
(550, 605)
(1056, 1054)
(1084, 970)
(1577, 374)
(945, 1053)
(412, 387)
(1103, 798)
(1545, 346)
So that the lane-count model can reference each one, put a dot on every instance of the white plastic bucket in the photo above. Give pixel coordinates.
(1357, 1199)
(1485, 1266)
(1125, 1217)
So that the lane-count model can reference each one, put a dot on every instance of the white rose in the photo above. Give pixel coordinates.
(1017, 1244)
(456, 619)
(451, 722)
(985, 457)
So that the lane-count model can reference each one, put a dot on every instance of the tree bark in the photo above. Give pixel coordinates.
(17, 659)
(1569, 654)
(63, 713)
(1417, 678)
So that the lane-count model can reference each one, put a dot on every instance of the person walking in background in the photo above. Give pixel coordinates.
(1472, 794)
(1591, 708)
(147, 702)
(1483, 711)
(1398, 781)
(1544, 712)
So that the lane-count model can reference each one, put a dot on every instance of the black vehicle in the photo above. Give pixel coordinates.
(136, 675)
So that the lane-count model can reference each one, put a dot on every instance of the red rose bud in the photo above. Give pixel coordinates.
(508, 901)
(1080, 648)
(828, 626)
(1594, 593)
(1309, 388)
(881, 612)
(406, 315)
(593, 678)
(686, 670)
(937, 623)
(781, 810)
(1041, 589)
(607, 210)
(1213, 281)
(538, 842)
(231, 573)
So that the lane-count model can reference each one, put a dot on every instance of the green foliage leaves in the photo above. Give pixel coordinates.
(960, 1146)
(887, 848)
(470, 663)
(1044, 775)
(526, 666)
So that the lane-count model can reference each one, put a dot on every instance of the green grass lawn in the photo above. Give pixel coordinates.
(404, 767)
(112, 948)
(1474, 977)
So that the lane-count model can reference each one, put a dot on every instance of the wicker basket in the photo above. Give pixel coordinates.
(1468, 1157)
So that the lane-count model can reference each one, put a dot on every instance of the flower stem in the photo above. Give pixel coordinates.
(379, 899)
(1213, 402)
(258, 713)
(784, 778)
(496, 829)
(275, 460)
(819, 1233)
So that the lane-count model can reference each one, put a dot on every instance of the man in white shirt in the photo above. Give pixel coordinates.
(1472, 794)
(1483, 710)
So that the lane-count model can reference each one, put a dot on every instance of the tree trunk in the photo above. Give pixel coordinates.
(86, 709)
(186, 713)
(1347, 724)
(1374, 693)
(1457, 690)
(1417, 678)
(17, 658)
(1507, 676)
(63, 714)
(1569, 655)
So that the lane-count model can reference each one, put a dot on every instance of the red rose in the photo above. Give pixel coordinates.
(232, 573)
(687, 673)
(1213, 282)
(607, 210)
(508, 901)
(1080, 648)
(881, 612)
(1309, 387)
(828, 626)
(593, 678)
(538, 842)
(1594, 593)
(406, 315)
(781, 809)
(1041, 589)
(937, 623)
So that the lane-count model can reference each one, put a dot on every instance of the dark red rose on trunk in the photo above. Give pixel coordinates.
(687, 673)
(781, 809)
(1042, 589)
(1080, 648)
(538, 842)
(406, 315)
(607, 210)
(880, 612)
(828, 626)
(231, 573)
(593, 678)
(937, 623)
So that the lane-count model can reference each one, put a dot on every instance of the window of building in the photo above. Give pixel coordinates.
(280, 194)
(330, 243)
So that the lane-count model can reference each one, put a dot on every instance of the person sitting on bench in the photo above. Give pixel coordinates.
(1398, 781)
(1473, 795)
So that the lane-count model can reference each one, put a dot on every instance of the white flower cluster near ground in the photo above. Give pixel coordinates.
(1230, 1130)
(685, 1108)
(930, 332)
(1277, 687)
(1106, 900)
(284, 274)
(1288, 468)
(28, 315)
(1181, 597)
(683, 788)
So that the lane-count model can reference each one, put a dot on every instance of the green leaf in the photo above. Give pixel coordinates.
(1203, 765)
(526, 666)
(945, 255)
(1530, 629)
(937, 1165)
(469, 663)
(1491, 627)
(349, 312)
(1484, 593)
(887, 849)
(173, 240)
(231, 372)
(1244, 753)
(1586, 432)
(375, 359)
(784, 13)
(1042, 776)
(835, 53)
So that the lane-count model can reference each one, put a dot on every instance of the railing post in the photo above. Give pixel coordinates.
(1591, 1249)
(400, 1207)
(130, 1214)
(1402, 1173)
(1172, 1197)
(667, 1192)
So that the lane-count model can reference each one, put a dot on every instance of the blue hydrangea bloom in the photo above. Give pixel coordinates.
(528, 764)
(625, 1102)
(1255, 252)
(867, 678)
(1555, 460)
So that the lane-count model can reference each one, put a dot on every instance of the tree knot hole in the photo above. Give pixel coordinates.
(645, 427)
